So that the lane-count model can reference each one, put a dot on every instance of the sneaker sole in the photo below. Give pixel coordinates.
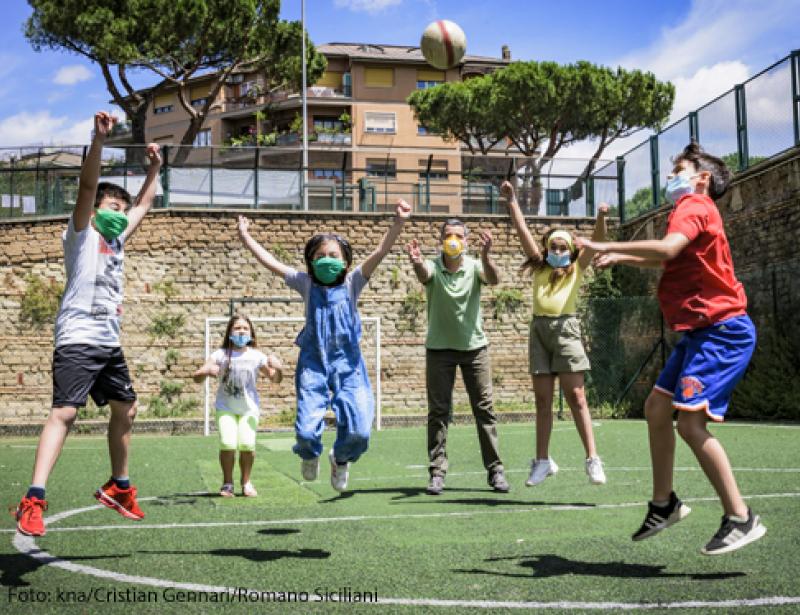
(111, 503)
(597, 482)
(680, 514)
(529, 483)
(757, 532)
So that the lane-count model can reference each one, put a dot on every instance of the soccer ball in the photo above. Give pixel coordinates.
(443, 44)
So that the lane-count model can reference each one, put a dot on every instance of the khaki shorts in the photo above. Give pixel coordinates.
(555, 345)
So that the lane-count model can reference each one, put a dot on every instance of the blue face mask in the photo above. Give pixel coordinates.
(677, 186)
(558, 260)
(240, 340)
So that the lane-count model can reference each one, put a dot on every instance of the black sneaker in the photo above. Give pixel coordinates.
(734, 535)
(660, 517)
(497, 481)
(436, 485)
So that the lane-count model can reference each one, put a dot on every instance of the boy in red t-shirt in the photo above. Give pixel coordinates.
(699, 295)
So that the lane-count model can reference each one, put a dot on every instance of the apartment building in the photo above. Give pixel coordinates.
(362, 134)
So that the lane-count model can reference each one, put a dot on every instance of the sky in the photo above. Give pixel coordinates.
(704, 47)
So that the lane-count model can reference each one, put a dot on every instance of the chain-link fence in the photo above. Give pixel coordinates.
(623, 338)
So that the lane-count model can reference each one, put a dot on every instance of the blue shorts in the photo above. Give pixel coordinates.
(705, 366)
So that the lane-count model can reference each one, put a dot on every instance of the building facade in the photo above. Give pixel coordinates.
(365, 147)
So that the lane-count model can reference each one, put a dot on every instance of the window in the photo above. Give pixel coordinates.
(377, 122)
(438, 170)
(379, 77)
(425, 132)
(198, 96)
(429, 78)
(334, 174)
(202, 138)
(382, 168)
(162, 104)
(330, 79)
(322, 122)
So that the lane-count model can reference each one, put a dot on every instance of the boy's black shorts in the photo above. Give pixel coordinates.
(80, 370)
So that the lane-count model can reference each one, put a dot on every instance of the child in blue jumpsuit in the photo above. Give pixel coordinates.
(330, 368)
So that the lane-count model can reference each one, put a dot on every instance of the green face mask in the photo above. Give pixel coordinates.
(109, 223)
(327, 269)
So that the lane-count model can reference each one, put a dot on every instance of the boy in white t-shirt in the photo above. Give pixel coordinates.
(88, 359)
(238, 364)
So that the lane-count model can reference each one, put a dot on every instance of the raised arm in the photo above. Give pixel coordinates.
(144, 200)
(90, 171)
(518, 221)
(402, 213)
(210, 368)
(263, 256)
(609, 259)
(417, 262)
(648, 249)
(491, 275)
(599, 234)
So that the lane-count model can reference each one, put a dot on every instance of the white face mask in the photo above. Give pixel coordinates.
(679, 185)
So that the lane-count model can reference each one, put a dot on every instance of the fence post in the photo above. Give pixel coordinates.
(655, 182)
(694, 127)
(211, 179)
(11, 186)
(741, 127)
(256, 164)
(621, 187)
(794, 61)
(165, 176)
(590, 196)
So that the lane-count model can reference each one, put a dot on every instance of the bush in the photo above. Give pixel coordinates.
(506, 301)
(411, 309)
(165, 324)
(40, 302)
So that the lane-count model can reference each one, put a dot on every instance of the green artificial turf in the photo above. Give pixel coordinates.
(564, 540)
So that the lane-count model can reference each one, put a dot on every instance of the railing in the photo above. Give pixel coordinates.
(44, 181)
(755, 120)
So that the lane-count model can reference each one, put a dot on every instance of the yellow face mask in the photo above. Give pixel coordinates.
(453, 246)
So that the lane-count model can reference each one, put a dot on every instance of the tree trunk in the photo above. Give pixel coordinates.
(187, 141)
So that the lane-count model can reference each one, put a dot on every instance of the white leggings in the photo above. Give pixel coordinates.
(237, 431)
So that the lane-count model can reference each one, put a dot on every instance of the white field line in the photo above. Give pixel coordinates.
(348, 518)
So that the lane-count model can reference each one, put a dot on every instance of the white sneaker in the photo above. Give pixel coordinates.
(248, 490)
(339, 473)
(594, 468)
(541, 469)
(309, 468)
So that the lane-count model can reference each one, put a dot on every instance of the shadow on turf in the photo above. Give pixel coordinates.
(543, 566)
(254, 555)
(14, 567)
(403, 493)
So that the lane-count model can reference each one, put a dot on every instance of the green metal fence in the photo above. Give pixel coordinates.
(755, 120)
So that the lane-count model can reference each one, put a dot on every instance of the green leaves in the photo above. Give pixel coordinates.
(544, 106)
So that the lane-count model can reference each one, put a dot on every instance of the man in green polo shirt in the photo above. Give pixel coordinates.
(456, 339)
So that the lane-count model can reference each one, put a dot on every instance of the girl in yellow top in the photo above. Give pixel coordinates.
(555, 347)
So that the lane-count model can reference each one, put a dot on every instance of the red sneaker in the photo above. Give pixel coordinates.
(29, 516)
(121, 500)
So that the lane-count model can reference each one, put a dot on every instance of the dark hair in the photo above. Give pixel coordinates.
(720, 174)
(105, 189)
(453, 222)
(315, 242)
(227, 344)
(537, 263)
